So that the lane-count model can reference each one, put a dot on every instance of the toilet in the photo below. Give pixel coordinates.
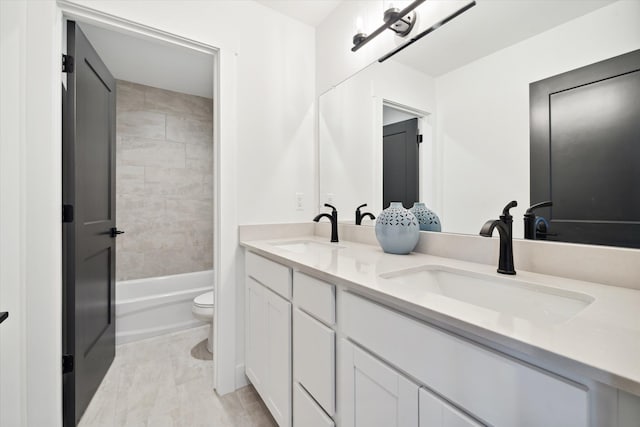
(202, 309)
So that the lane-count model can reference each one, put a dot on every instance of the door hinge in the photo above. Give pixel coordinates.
(67, 363)
(67, 64)
(67, 213)
(419, 138)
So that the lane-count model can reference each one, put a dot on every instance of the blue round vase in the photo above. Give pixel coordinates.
(397, 230)
(427, 218)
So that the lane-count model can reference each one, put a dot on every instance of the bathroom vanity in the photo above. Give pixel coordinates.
(345, 335)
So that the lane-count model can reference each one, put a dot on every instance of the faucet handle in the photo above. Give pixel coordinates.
(505, 211)
(538, 206)
(331, 206)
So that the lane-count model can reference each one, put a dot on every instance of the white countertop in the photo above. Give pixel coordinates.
(601, 342)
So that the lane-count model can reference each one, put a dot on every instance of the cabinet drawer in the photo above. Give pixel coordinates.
(494, 388)
(305, 411)
(435, 412)
(275, 276)
(316, 297)
(314, 359)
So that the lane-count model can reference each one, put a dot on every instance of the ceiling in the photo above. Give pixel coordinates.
(152, 62)
(488, 27)
(311, 12)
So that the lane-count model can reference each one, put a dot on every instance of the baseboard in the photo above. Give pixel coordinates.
(241, 378)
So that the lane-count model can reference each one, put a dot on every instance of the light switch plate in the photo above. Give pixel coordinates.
(299, 201)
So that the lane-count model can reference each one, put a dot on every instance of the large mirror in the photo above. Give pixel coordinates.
(447, 120)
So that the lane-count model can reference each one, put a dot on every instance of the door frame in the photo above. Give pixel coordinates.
(428, 189)
(30, 191)
(224, 67)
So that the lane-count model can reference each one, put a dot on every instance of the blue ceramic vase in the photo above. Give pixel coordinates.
(427, 218)
(397, 230)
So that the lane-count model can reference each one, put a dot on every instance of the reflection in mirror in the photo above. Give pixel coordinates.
(467, 87)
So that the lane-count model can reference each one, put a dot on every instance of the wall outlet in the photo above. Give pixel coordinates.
(299, 201)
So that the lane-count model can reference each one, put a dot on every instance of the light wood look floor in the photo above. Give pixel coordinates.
(166, 381)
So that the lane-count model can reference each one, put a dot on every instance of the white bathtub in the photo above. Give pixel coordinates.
(158, 305)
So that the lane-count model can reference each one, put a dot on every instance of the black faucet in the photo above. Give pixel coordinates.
(360, 216)
(333, 217)
(535, 229)
(505, 228)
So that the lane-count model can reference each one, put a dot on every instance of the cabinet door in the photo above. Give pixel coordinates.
(256, 335)
(373, 394)
(435, 412)
(278, 355)
(314, 359)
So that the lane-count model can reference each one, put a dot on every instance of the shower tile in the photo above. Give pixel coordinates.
(177, 103)
(177, 183)
(129, 179)
(147, 152)
(127, 261)
(145, 124)
(189, 209)
(129, 96)
(189, 130)
(164, 155)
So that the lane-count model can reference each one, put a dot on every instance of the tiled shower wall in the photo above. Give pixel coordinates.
(164, 173)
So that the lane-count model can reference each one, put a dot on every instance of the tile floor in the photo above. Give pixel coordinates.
(166, 381)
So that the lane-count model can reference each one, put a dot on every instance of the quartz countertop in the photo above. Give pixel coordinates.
(601, 342)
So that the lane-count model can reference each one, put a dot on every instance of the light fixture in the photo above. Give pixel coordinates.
(402, 24)
(399, 21)
(428, 30)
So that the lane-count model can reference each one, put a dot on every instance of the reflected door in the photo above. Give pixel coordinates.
(400, 176)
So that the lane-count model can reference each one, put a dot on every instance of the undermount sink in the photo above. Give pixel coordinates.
(510, 296)
(304, 246)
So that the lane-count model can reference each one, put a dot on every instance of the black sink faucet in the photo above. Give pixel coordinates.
(534, 228)
(360, 216)
(333, 217)
(505, 228)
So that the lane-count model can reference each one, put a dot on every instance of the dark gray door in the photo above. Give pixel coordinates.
(89, 248)
(400, 176)
(585, 152)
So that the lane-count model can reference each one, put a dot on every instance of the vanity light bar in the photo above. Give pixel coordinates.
(427, 31)
(361, 41)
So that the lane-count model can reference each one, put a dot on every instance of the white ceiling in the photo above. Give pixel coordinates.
(152, 62)
(489, 26)
(311, 12)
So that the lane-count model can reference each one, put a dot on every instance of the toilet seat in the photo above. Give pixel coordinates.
(204, 301)
(202, 309)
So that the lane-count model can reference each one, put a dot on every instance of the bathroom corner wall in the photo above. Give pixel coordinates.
(164, 182)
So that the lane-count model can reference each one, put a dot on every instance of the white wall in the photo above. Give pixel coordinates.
(266, 155)
(350, 134)
(482, 121)
(30, 222)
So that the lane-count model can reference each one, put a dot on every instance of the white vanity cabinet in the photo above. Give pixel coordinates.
(373, 394)
(488, 385)
(314, 345)
(268, 335)
(435, 412)
(321, 356)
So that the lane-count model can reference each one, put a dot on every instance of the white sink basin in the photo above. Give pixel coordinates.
(508, 296)
(304, 246)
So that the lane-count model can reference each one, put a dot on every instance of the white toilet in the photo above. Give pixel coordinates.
(202, 309)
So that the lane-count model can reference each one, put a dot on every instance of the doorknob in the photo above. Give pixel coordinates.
(3, 316)
(115, 232)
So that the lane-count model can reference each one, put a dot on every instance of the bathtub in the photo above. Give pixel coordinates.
(158, 305)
